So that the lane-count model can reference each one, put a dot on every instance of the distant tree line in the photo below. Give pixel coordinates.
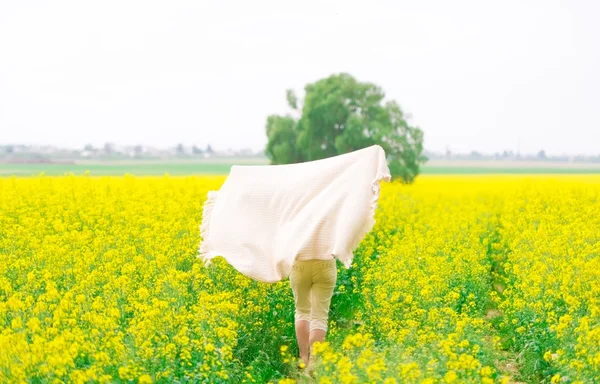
(110, 151)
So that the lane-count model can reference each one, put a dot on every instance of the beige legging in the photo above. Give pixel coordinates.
(312, 284)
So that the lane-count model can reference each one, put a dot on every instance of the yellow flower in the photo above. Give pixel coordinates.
(123, 373)
(450, 377)
(486, 371)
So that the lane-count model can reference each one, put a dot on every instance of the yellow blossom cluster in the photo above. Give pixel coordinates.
(100, 282)
(422, 289)
(549, 244)
(447, 250)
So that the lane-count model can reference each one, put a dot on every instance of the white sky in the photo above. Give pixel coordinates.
(477, 75)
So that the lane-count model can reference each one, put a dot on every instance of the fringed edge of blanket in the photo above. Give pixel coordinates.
(203, 250)
(369, 223)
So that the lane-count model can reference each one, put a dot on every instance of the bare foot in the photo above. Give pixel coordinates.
(302, 363)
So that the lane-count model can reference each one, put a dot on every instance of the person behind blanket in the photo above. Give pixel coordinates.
(313, 279)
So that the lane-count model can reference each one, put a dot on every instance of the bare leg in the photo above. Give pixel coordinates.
(302, 336)
(315, 335)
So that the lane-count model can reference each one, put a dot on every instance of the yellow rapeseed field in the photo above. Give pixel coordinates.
(460, 278)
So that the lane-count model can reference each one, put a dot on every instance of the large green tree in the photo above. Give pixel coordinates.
(340, 115)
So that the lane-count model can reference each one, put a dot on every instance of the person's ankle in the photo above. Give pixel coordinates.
(304, 359)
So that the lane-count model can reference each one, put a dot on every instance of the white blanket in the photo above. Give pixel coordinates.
(264, 216)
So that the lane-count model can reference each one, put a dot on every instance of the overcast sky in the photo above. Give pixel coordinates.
(481, 75)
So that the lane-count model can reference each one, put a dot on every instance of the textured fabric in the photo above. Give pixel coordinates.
(312, 284)
(309, 256)
(266, 216)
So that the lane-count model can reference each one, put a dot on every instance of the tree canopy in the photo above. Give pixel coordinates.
(340, 115)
